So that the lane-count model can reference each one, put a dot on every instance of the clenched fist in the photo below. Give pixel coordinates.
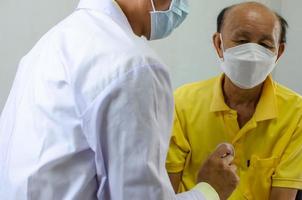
(219, 171)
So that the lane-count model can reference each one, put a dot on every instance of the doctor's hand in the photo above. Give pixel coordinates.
(219, 171)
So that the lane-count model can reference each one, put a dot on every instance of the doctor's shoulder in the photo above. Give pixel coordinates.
(136, 53)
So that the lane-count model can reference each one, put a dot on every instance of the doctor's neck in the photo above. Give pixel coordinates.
(234, 95)
(138, 15)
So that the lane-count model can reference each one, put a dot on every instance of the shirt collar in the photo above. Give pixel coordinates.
(267, 105)
(108, 7)
(218, 103)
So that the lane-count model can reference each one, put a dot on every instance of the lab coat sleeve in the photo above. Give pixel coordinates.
(128, 128)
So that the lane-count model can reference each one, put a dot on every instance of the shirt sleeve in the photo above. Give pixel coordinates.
(179, 146)
(289, 172)
(128, 128)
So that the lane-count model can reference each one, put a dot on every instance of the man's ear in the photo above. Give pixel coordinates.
(217, 44)
(281, 50)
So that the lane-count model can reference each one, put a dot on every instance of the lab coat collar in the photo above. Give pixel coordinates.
(108, 7)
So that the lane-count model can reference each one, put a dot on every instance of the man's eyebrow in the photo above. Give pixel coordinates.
(267, 37)
(240, 33)
(244, 33)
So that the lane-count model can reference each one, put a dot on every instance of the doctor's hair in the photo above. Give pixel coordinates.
(282, 21)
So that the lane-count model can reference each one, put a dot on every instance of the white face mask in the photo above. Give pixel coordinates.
(248, 65)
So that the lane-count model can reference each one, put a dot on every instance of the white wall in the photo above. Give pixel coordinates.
(22, 24)
(289, 72)
(189, 51)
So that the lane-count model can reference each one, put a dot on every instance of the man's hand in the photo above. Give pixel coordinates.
(219, 171)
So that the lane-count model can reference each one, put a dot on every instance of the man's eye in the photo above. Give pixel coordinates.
(268, 46)
(242, 41)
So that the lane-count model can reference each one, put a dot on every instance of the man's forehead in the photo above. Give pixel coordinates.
(251, 17)
(251, 6)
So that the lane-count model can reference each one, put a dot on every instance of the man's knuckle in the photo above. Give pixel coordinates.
(211, 161)
(221, 165)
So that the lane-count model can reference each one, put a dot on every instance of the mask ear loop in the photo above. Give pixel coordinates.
(153, 6)
(222, 47)
(277, 60)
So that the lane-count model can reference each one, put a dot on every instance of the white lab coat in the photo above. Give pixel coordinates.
(89, 115)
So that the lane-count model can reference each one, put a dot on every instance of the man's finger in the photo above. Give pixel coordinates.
(223, 150)
(228, 159)
(233, 168)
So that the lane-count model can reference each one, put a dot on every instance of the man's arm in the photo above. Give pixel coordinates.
(288, 174)
(279, 193)
(175, 179)
(218, 171)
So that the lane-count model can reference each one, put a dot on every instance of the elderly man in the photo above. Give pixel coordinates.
(90, 112)
(244, 106)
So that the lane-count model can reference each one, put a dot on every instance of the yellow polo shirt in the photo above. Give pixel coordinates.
(268, 148)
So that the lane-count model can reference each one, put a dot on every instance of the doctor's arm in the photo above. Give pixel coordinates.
(133, 120)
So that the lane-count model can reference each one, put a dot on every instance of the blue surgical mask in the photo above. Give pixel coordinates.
(164, 22)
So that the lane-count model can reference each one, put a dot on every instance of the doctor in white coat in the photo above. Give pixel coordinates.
(91, 108)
